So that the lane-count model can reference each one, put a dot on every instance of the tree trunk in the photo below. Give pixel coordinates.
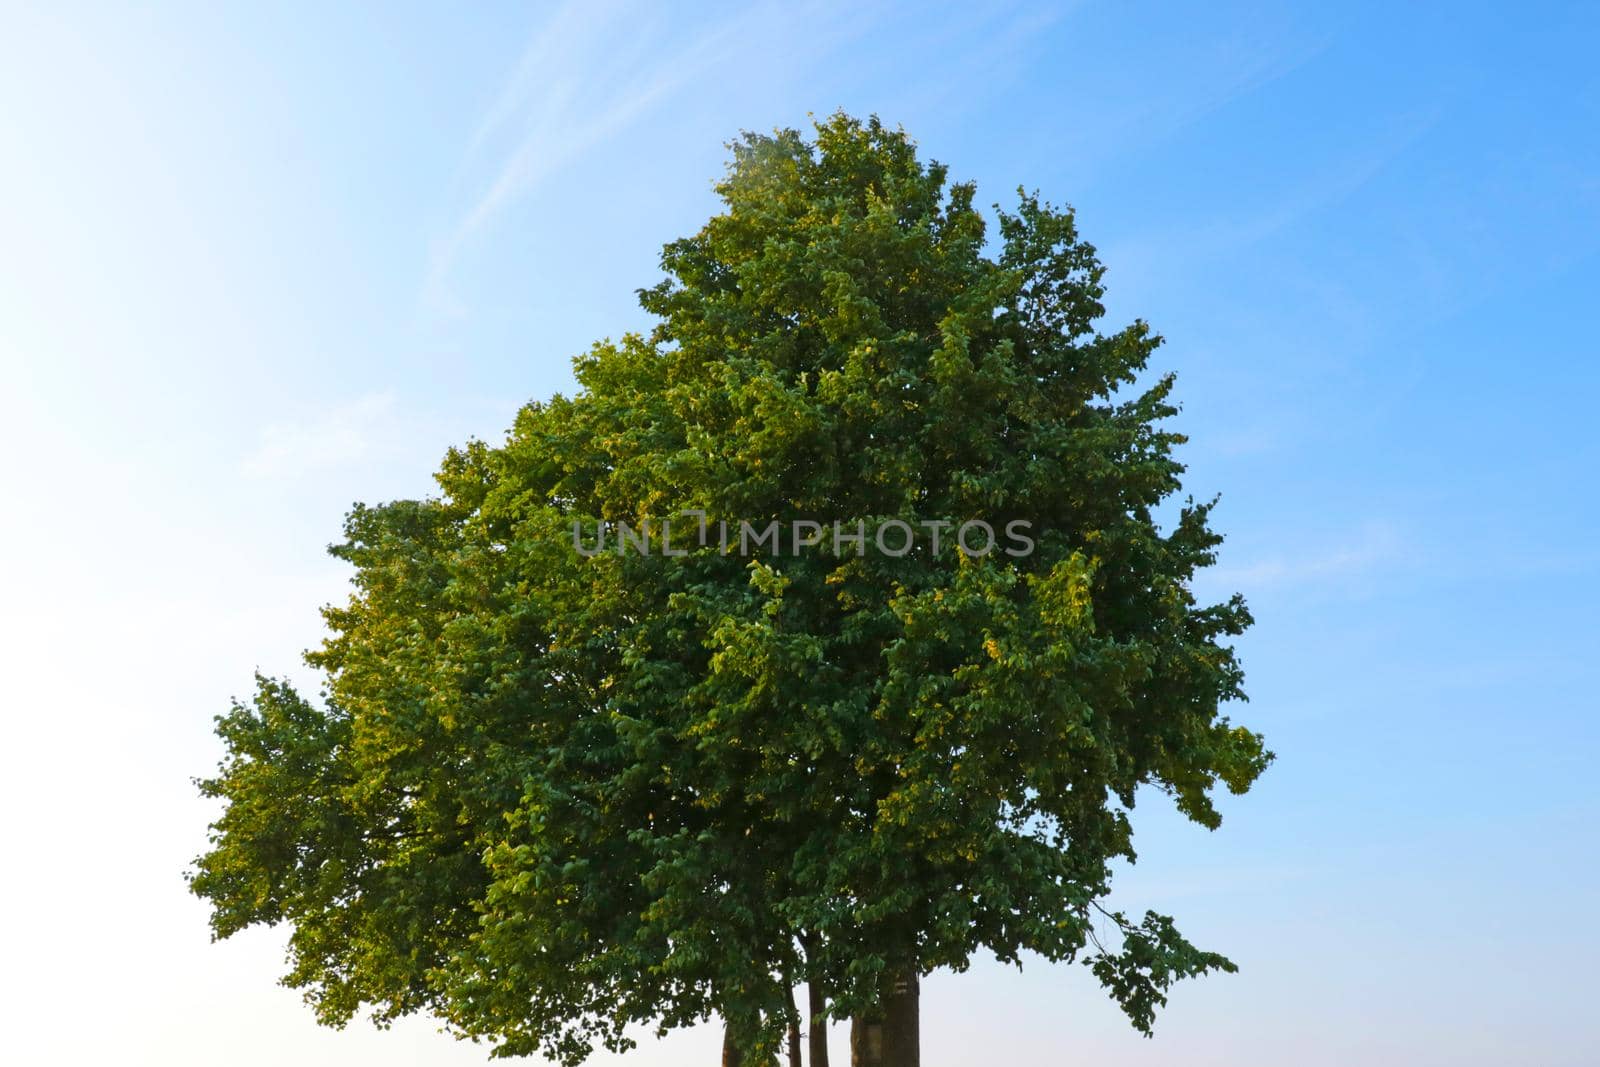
(819, 1023)
(892, 1038)
(794, 1025)
(731, 1056)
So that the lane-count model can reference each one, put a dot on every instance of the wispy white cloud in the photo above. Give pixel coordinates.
(589, 72)
(573, 28)
(340, 435)
(1372, 545)
(1168, 246)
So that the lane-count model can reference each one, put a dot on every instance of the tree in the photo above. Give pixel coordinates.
(556, 791)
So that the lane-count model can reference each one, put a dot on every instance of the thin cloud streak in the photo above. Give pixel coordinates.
(561, 105)
(339, 436)
(1375, 544)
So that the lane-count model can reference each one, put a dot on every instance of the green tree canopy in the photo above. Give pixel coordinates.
(554, 793)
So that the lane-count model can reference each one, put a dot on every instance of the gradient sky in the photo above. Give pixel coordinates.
(259, 262)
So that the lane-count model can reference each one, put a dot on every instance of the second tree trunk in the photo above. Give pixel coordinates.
(891, 1038)
(818, 1003)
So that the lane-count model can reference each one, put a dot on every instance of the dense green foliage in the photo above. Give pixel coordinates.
(550, 796)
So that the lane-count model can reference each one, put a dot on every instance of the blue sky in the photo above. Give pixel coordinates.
(259, 262)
